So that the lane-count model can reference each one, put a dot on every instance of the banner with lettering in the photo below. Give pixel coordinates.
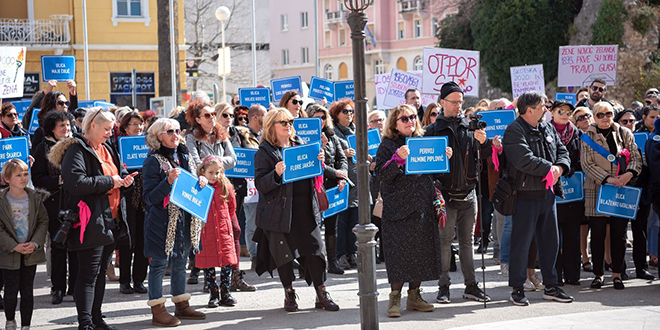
(320, 88)
(12, 71)
(34, 121)
(618, 201)
(640, 140)
(528, 78)
(21, 108)
(133, 151)
(187, 195)
(400, 82)
(580, 65)
(383, 80)
(441, 65)
(257, 95)
(568, 97)
(427, 155)
(344, 89)
(58, 67)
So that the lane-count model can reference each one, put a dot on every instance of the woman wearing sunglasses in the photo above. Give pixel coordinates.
(50, 100)
(618, 143)
(293, 102)
(431, 113)
(10, 124)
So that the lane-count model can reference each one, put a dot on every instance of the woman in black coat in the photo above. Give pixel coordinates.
(288, 215)
(92, 182)
(47, 176)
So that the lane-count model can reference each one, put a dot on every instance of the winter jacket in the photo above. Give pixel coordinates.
(653, 160)
(335, 159)
(199, 149)
(217, 235)
(341, 132)
(18, 131)
(38, 228)
(45, 175)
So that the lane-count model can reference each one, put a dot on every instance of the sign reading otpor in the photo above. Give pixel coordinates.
(528, 78)
(580, 65)
(442, 65)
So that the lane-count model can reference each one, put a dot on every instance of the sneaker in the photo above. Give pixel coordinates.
(504, 269)
(10, 325)
(473, 292)
(443, 295)
(529, 286)
(537, 282)
(343, 263)
(518, 297)
(556, 294)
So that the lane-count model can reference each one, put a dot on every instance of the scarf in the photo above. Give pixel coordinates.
(565, 131)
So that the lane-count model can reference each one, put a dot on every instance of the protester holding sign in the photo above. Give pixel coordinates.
(293, 102)
(10, 122)
(288, 215)
(169, 231)
(38, 98)
(207, 136)
(255, 124)
(608, 155)
(376, 120)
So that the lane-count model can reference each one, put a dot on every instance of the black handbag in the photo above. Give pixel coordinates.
(505, 196)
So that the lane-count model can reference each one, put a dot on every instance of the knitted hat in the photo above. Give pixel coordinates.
(449, 88)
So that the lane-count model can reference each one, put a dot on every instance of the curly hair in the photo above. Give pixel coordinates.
(52, 119)
(338, 106)
(193, 112)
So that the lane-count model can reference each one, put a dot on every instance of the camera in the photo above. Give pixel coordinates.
(476, 123)
(68, 219)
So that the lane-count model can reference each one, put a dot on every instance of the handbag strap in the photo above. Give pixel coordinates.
(599, 149)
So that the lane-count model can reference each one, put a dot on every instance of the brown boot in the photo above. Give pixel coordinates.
(110, 273)
(323, 300)
(183, 310)
(160, 316)
(290, 304)
(237, 282)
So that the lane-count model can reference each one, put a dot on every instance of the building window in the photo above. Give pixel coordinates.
(418, 28)
(129, 8)
(327, 72)
(379, 67)
(343, 71)
(134, 11)
(285, 57)
(304, 55)
(327, 42)
(342, 37)
(284, 22)
(417, 64)
(436, 26)
(304, 21)
(400, 30)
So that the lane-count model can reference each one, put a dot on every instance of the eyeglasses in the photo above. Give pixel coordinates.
(347, 111)
(583, 117)
(377, 121)
(406, 119)
(63, 103)
(237, 103)
(324, 117)
(208, 115)
(652, 92)
(225, 115)
(12, 114)
(433, 114)
(564, 112)
(96, 114)
(598, 89)
(171, 132)
(285, 123)
(602, 115)
(626, 121)
(241, 118)
(454, 102)
(296, 102)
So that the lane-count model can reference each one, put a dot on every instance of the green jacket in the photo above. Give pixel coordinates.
(38, 220)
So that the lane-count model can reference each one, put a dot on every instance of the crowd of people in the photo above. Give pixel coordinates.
(80, 217)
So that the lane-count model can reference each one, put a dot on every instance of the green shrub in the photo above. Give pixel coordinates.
(643, 20)
(609, 25)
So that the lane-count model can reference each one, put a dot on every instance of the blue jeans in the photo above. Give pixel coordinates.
(157, 269)
(345, 237)
(250, 210)
(504, 233)
(653, 228)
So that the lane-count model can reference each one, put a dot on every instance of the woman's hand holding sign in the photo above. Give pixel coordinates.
(279, 168)
(172, 175)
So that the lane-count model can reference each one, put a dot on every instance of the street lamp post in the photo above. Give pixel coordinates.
(222, 14)
(365, 230)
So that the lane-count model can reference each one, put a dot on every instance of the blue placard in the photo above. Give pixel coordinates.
(95, 103)
(301, 162)
(427, 155)
(187, 195)
(308, 129)
(618, 202)
(21, 108)
(133, 151)
(320, 88)
(352, 143)
(568, 97)
(244, 164)
(497, 121)
(34, 121)
(337, 201)
(640, 140)
(12, 148)
(283, 85)
(103, 104)
(251, 96)
(373, 141)
(573, 188)
(344, 89)
(58, 67)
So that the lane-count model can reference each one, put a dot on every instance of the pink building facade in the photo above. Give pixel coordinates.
(293, 39)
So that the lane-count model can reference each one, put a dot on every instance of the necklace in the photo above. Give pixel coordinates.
(609, 131)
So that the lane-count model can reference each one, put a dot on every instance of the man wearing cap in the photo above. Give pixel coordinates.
(458, 189)
(597, 91)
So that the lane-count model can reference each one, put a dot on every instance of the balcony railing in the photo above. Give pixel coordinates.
(48, 32)
(406, 6)
(334, 17)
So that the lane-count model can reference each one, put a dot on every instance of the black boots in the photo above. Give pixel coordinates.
(225, 298)
(331, 249)
(214, 298)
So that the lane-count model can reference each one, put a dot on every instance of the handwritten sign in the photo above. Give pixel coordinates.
(441, 65)
(497, 121)
(580, 65)
(34, 121)
(133, 151)
(383, 80)
(573, 188)
(187, 195)
(337, 201)
(282, 85)
(12, 71)
(308, 129)
(400, 82)
(251, 96)
(568, 97)
(21, 108)
(252, 192)
(320, 88)
(618, 202)
(58, 67)
(14, 148)
(244, 164)
(301, 162)
(640, 140)
(528, 78)
(373, 141)
(427, 155)
(344, 89)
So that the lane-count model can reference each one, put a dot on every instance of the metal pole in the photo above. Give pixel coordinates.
(254, 44)
(134, 88)
(365, 230)
(216, 93)
(173, 48)
(224, 65)
(86, 50)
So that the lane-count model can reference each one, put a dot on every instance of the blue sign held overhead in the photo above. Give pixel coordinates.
(320, 88)
(58, 67)
(427, 155)
(301, 162)
(573, 188)
(373, 141)
(21, 108)
(618, 201)
(283, 85)
(337, 201)
(133, 151)
(251, 96)
(344, 89)
(103, 104)
(187, 195)
(14, 148)
(95, 103)
(568, 97)
(497, 121)
(308, 129)
(34, 121)
(244, 164)
(640, 140)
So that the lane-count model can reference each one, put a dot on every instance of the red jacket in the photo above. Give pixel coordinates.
(217, 235)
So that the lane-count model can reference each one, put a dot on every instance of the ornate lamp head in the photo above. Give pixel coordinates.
(357, 5)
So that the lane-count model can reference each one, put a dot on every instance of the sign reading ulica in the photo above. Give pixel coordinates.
(301, 162)
(308, 129)
(244, 164)
(58, 67)
(573, 188)
(497, 121)
(618, 201)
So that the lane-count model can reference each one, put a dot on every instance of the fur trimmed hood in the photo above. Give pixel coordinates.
(57, 152)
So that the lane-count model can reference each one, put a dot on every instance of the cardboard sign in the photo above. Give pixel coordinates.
(21, 108)
(308, 129)
(373, 142)
(568, 97)
(427, 155)
(580, 65)
(12, 71)
(383, 80)
(251, 96)
(58, 67)
(573, 188)
(497, 121)
(282, 85)
(244, 164)
(337, 201)
(252, 192)
(34, 121)
(399, 83)
(301, 162)
(14, 148)
(187, 195)
(441, 65)
(618, 202)
(640, 140)
(320, 88)
(527, 78)
(133, 151)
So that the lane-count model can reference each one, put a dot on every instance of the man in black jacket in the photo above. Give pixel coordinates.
(458, 189)
(536, 158)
